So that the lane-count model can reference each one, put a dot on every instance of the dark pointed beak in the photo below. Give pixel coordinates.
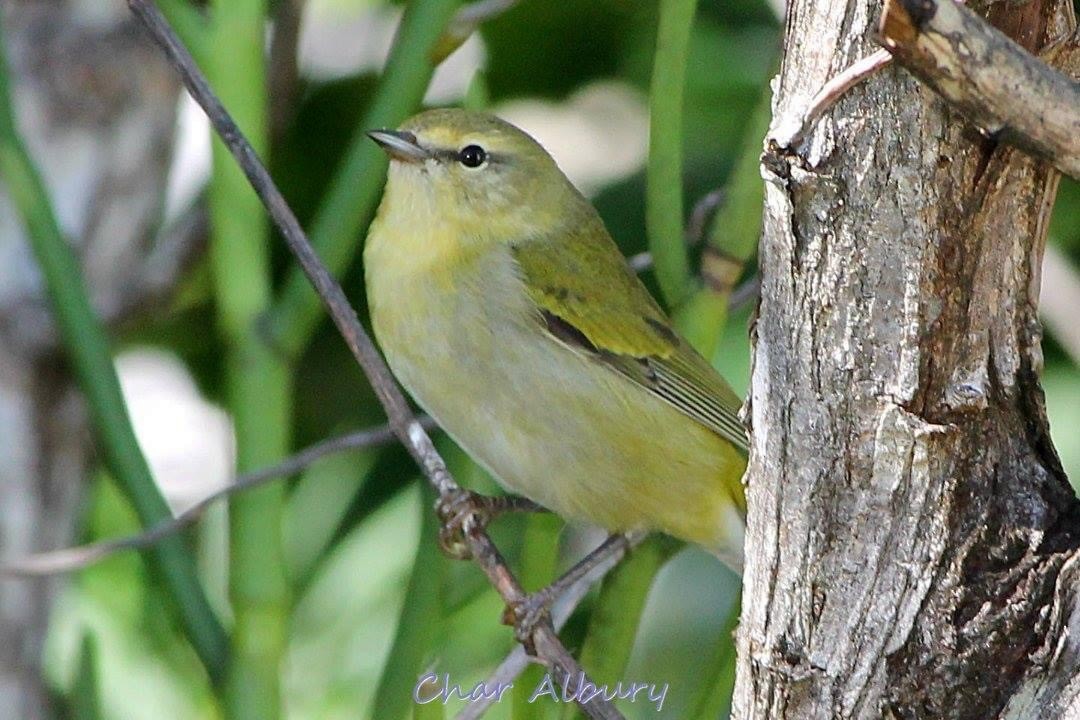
(400, 145)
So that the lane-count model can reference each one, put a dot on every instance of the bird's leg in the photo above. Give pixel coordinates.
(466, 512)
(535, 608)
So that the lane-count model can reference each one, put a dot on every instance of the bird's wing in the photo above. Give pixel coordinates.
(590, 299)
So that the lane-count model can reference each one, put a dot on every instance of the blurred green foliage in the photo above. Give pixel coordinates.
(370, 604)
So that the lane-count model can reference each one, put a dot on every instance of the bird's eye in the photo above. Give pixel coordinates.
(472, 156)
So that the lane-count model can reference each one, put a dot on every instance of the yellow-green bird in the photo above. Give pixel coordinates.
(506, 310)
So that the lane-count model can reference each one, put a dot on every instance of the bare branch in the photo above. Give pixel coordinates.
(544, 641)
(465, 22)
(704, 211)
(76, 558)
(792, 129)
(899, 434)
(988, 77)
(602, 560)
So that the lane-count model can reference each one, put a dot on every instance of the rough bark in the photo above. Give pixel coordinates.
(995, 82)
(97, 108)
(43, 446)
(912, 537)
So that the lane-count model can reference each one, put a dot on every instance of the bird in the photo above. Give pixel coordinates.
(507, 311)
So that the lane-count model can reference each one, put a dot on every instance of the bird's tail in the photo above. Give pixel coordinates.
(731, 538)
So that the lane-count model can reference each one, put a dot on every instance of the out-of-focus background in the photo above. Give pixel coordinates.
(127, 160)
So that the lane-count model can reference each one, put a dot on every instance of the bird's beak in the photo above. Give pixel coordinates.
(400, 145)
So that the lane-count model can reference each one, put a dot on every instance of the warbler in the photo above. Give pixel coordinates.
(507, 311)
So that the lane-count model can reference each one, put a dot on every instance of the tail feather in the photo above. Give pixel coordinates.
(731, 539)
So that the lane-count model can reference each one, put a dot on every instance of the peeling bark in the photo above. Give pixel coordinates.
(910, 525)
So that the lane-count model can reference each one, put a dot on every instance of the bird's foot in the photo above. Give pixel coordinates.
(533, 609)
(530, 612)
(466, 512)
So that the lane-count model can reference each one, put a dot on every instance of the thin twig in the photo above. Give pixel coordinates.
(615, 544)
(743, 294)
(746, 293)
(544, 641)
(704, 210)
(791, 130)
(465, 22)
(602, 559)
(76, 558)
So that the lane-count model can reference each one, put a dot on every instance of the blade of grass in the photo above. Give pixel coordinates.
(84, 694)
(718, 676)
(732, 241)
(433, 710)
(349, 204)
(88, 350)
(316, 507)
(538, 565)
(613, 624)
(663, 180)
(256, 380)
(418, 625)
(189, 23)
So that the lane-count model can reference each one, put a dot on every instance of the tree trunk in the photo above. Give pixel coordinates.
(44, 450)
(96, 106)
(912, 537)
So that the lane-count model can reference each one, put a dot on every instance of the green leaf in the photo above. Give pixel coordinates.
(340, 222)
(614, 622)
(88, 351)
(664, 179)
(84, 693)
(718, 674)
(421, 618)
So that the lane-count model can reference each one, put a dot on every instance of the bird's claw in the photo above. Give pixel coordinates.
(465, 512)
(527, 614)
(462, 513)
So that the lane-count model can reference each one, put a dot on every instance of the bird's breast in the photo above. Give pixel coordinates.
(451, 323)
(464, 338)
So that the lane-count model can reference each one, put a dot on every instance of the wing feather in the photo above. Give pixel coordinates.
(617, 323)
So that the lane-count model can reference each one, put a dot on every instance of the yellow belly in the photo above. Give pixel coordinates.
(545, 420)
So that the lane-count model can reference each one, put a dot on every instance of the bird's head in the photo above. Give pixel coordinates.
(477, 171)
